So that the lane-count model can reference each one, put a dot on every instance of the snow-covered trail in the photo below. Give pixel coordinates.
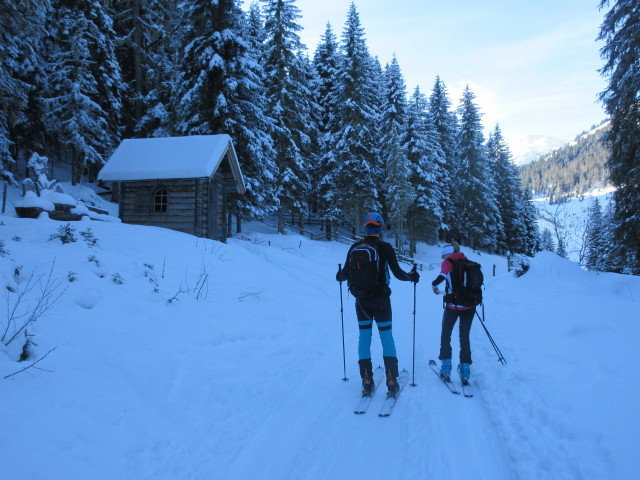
(314, 434)
(506, 432)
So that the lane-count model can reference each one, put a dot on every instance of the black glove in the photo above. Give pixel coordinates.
(339, 275)
(414, 276)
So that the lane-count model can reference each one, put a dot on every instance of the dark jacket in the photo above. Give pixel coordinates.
(388, 261)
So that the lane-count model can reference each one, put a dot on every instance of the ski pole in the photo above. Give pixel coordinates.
(413, 368)
(344, 360)
(501, 358)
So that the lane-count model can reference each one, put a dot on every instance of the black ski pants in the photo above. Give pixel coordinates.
(449, 318)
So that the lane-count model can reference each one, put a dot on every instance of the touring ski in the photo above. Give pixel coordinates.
(365, 401)
(467, 388)
(390, 401)
(449, 384)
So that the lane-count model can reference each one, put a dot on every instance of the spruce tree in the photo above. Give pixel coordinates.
(612, 257)
(222, 91)
(22, 31)
(399, 193)
(561, 249)
(530, 214)
(248, 123)
(446, 125)
(512, 233)
(474, 192)
(326, 62)
(290, 104)
(210, 42)
(357, 178)
(425, 215)
(546, 242)
(621, 33)
(594, 257)
(129, 26)
(148, 42)
(82, 99)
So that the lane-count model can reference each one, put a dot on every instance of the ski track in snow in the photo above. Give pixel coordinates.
(246, 382)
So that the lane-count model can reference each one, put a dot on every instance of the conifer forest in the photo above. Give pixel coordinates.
(323, 134)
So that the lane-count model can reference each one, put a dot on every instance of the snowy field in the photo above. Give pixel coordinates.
(571, 218)
(173, 357)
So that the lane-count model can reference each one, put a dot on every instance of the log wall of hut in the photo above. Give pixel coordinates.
(194, 206)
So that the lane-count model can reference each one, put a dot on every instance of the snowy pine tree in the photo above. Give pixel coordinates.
(473, 189)
(425, 215)
(290, 104)
(446, 125)
(512, 233)
(326, 62)
(546, 242)
(594, 237)
(561, 249)
(147, 48)
(210, 42)
(83, 94)
(251, 128)
(222, 91)
(532, 241)
(621, 34)
(358, 177)
(398, 191)
(21, 79)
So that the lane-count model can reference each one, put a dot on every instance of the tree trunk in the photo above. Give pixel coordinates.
(280, 220)
(76, 167)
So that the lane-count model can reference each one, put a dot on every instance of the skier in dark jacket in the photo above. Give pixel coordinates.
(451, 314)
(376, 305)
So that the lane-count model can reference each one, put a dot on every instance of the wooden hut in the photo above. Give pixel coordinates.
(175, 182)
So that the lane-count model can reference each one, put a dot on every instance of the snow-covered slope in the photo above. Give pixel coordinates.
(240, 375)
(571, 218)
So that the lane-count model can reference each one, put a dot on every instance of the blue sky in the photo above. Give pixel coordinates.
(533, 65)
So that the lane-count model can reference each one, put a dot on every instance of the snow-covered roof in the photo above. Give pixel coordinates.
(196, 156)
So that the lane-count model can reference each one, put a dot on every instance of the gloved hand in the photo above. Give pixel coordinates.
(339, 275)
(436, 290)
(414, 276)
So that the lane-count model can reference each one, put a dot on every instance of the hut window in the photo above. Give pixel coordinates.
(160, 200)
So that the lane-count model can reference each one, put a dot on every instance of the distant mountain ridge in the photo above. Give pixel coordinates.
(572, 170)
(528, 148)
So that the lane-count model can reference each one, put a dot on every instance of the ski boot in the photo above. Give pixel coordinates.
(366, 373)
(391, 369)
(392, 387)
(465, 372)
(445, 370)
(368, 385)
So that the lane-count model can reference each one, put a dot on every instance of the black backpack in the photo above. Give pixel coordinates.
(364, 270)
(466, 283)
